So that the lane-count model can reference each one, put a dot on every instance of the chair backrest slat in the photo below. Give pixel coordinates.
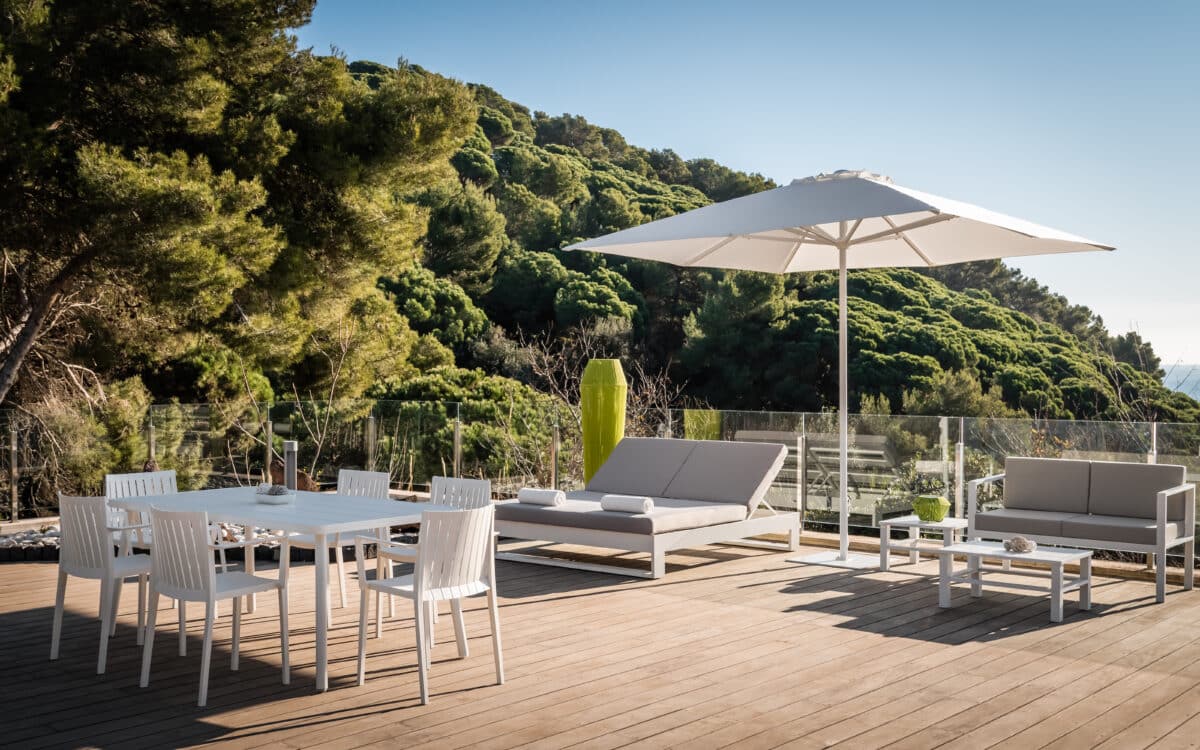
(182, 560)
(140, 484)
(460, 493)
(454, 547)
(363, 483)
(87, 545)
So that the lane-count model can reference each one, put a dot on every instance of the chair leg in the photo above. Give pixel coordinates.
(59, 598)
(363, 604)
(116, 605)
(106, 601)
(379, 612)
(391, 600)
(460, 627)
(237, 633)
(206, 654)
(141, 612)
(430, 613)
(1189, 565)
(340, 556)
(148, 646)
(283, 635)
(181, 607)
(419, 615)
(494, 615)
(1160, 577)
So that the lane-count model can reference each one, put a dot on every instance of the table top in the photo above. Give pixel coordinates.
(910, 521)
(311, 513)
(996, 550)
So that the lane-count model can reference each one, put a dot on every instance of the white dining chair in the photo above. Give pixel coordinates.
(183, 568)
(140, 484)
(88, 551)
(454, 560)
(354, 483)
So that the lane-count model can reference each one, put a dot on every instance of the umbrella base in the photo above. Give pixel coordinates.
(834, 560)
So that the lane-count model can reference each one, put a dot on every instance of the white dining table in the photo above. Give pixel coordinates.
(318, 513)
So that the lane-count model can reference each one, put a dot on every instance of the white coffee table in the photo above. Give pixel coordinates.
(949, 528)
(1054, 557)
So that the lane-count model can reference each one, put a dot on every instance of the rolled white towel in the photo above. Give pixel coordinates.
(533, 496)
(626, 504)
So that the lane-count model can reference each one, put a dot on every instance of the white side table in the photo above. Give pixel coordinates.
(949, 527)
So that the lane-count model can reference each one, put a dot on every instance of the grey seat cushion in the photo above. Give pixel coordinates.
(583, 511)
(1127, 529)
(726, 472)
(1049, 484)
(1023, 521)
(641, 466)
(1131, 490)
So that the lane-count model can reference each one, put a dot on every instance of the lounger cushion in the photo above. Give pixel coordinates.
(1022, 521)
(1050, 484)
(1131, 490)
(726, 472)
(641, 466)
(583, 511)
(1126, 529)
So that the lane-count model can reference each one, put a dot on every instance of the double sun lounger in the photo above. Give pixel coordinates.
(703, 492)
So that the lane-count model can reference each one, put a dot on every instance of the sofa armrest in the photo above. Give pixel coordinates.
(973, 498)
(1188, 490)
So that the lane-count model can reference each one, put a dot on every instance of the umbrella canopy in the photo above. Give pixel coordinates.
(842, 220)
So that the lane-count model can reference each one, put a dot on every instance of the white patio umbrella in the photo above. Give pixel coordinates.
(842, 220)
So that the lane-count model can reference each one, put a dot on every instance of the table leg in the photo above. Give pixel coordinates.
(914, 556)
(885, 536)
(945, 568)
(1056, 593)
(1085, 584)
(322, 583)
(975, 571)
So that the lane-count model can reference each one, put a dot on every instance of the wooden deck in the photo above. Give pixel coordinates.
(733, 648)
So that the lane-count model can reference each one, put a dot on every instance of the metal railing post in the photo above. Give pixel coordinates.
(944, 443)
(457, 447)
(1152, 457)
(802, 470)
(290, 463)
(554, 445)
(151, 447)
(960, 468)
(14, 474)
(372, 439)
(268, 448)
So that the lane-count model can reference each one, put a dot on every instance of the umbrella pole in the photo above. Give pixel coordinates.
(843, 414)
(842, 558)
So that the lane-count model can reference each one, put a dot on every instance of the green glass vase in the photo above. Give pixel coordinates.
(931, 508)
(602, 395)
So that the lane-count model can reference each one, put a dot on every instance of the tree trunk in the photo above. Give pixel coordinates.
(36, 318)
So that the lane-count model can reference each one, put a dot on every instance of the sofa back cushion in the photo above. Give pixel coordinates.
(641, 466)
(1054, 484)
(1129, 489)
(719, 471)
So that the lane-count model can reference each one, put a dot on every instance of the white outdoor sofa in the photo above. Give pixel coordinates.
(704, 491)
(1129, 507)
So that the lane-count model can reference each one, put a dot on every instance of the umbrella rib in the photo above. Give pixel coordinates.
(895, 230)
(908, 241)
(709, 251)
(814, 232)
(792, 254)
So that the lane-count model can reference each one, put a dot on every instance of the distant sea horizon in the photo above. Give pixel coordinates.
(1184, 378)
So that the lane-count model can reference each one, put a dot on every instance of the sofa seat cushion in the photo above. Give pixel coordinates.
(1051, 484)
(1124, 529)
(1131, 490)
(1022, 521)
(582, 511)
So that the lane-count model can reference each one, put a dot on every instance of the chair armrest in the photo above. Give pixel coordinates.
(128, 527)
(1188, 490)
(973, 498)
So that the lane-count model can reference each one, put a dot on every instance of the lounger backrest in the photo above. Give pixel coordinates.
(718, 471)
(641, 466)
(1054, 484)
(1129, 489)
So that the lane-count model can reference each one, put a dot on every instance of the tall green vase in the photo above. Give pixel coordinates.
(602, 403)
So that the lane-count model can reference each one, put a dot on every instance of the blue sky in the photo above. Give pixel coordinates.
(1081, 115)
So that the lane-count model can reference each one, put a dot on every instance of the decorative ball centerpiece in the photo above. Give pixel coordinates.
(1020, 544)
(274, 494)
(931, 508)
